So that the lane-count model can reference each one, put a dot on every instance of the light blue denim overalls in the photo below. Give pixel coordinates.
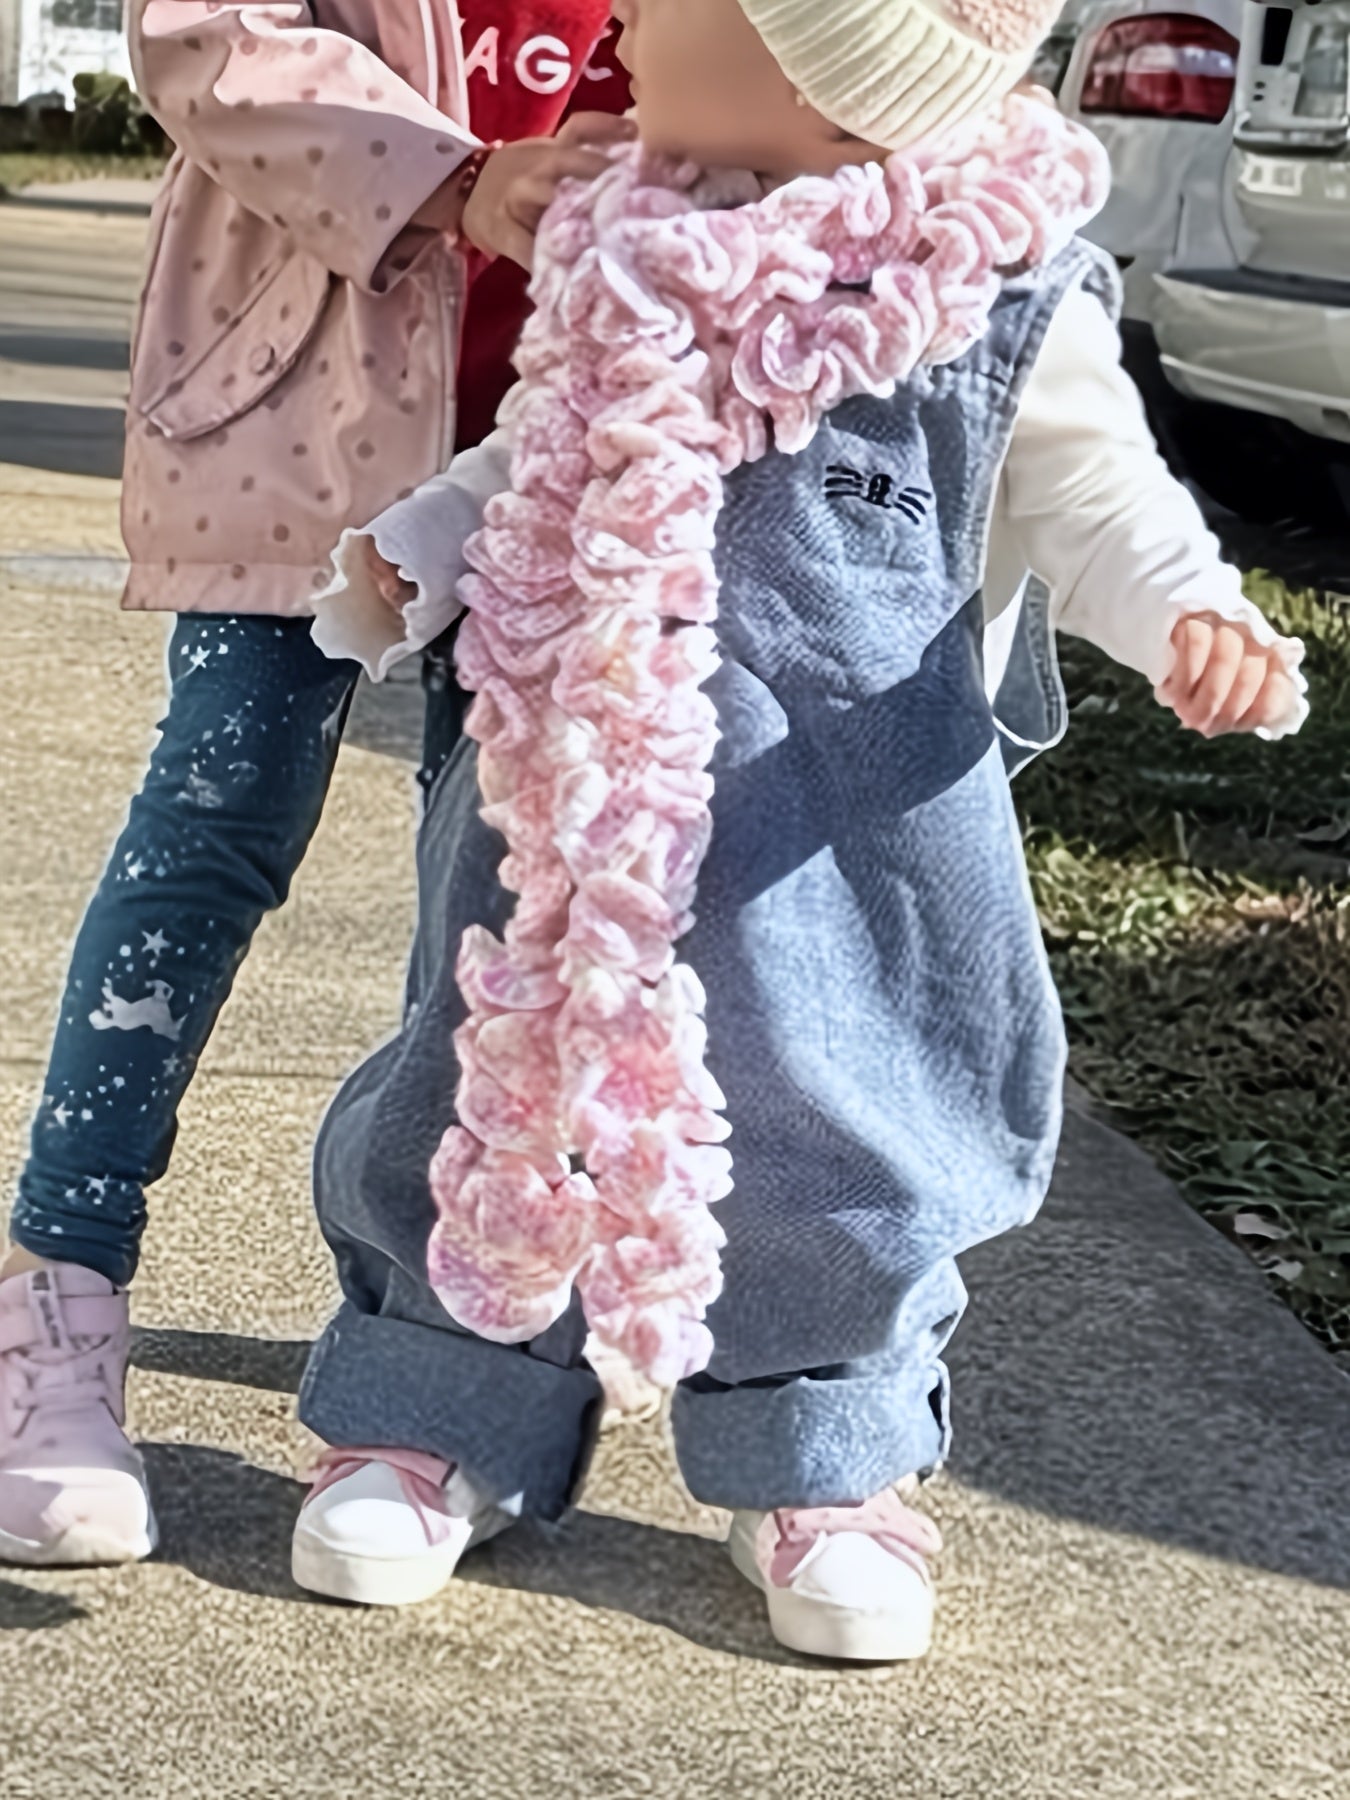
(880, 1011)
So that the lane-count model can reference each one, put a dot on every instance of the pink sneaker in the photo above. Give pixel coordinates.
(72, 1485)
(850, 1583)
(388, 1527)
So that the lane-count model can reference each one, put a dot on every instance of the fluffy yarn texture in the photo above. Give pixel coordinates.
(684, 324)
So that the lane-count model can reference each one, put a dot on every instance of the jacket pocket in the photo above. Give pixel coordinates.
(247, 356)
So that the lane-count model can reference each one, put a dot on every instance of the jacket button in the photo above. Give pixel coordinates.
(261, 358)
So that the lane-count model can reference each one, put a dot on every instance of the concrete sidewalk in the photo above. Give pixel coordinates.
(110, 194)
(60, 531)
(1146, 1591)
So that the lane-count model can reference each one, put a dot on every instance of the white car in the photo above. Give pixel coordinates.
(1154, 79)
(1230, 216)
(1252, 314)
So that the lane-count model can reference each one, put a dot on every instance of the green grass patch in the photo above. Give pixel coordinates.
(22, 168)
(1196, 904)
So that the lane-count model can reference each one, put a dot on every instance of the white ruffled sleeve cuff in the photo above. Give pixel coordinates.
(424, 538)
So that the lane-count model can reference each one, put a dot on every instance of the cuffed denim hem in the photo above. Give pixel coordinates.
(809, 1441)
(514, 1423)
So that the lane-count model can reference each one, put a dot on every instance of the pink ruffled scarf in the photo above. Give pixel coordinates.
(685, 323)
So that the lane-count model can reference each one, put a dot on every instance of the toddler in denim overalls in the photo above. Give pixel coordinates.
(879, 1011)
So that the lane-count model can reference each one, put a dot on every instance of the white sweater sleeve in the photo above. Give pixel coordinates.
(1094, 511)
(424, 537)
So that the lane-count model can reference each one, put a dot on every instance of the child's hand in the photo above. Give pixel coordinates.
(518, 182)
(384, 577)
(1223, 680)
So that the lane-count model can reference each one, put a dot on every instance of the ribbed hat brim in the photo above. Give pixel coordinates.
(888, 71)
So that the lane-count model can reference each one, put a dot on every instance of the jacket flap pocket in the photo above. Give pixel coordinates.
(248, 356)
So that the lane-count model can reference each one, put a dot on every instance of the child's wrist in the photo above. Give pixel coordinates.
(444, 211)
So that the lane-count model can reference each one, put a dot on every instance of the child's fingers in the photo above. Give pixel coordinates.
(530, 196)
(1210, 696)
(1249, 681)
(1192, 640)
(517, 184)
(565, 162)
(528, 201)
(596, 128)
(1222, 679)
(388, 582)
(1209, 654)
(392, 586)
(513, 240)
(1274, 702)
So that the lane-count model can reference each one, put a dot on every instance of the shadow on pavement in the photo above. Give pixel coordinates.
(63, 350)
(672, 1579)
(229, 1523)
(224, 1520)
(1124, 1366)
(274, 1366)
(27, 1609)
(65, 439)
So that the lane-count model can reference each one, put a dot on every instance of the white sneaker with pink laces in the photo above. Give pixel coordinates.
(388, 1527)
(850, 1583)
(72, 1485)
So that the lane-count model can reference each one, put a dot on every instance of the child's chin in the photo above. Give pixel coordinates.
(670, 139)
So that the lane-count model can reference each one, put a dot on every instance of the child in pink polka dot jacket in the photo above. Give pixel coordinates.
(339, 187)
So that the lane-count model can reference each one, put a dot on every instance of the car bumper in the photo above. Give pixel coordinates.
(1268, 344)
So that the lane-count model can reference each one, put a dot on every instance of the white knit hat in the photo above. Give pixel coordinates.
(894, 71)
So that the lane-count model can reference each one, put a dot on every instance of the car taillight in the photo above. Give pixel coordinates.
(1166, 66)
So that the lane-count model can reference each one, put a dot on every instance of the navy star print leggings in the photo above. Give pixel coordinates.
(234, 791)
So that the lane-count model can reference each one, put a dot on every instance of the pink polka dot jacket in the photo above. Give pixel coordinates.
(293, 370)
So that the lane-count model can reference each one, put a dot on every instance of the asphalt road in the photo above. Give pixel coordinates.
(68, 284)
